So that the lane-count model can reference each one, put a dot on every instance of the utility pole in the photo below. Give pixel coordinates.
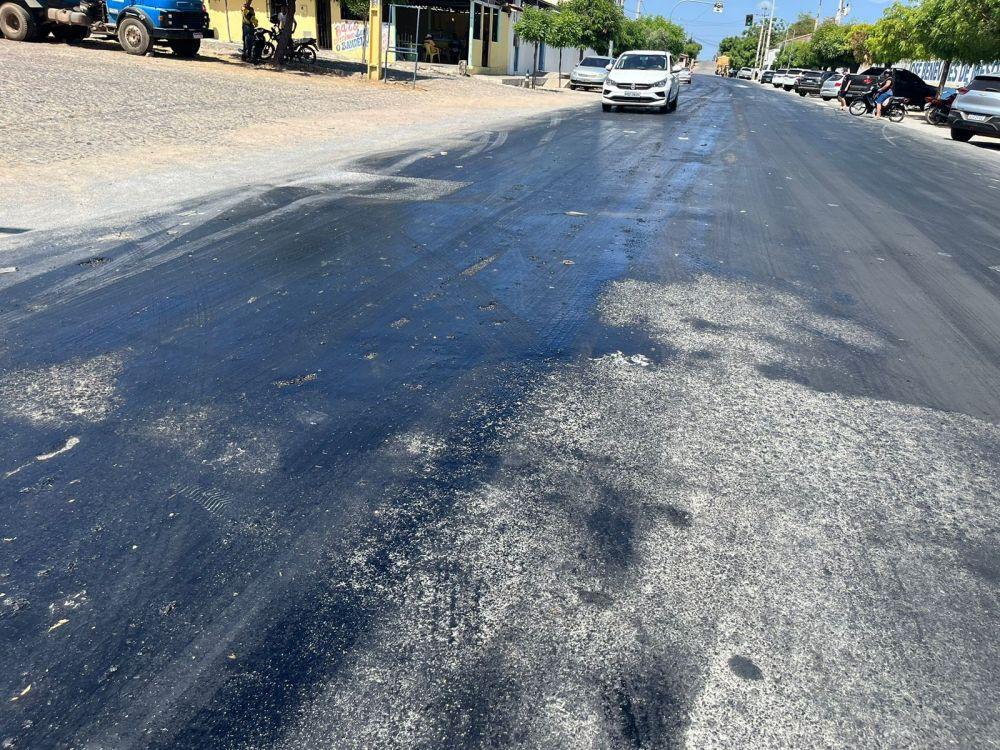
(767, 40)
(819, 14)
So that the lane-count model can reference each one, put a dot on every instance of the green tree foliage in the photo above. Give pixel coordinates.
(894, 36)
(650, 32)
(601, 22)
(692, 49)
(534, 25)
(967, 31)
(830, 46)
(565, 30)
(857, 39)
(357, 8)
(742, 49)
(802, 25)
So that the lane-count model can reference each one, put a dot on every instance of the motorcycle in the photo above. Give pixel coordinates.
(938, 109)
(894, 109)
(299, 50)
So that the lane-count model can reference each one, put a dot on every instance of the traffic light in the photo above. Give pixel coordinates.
(749, 22)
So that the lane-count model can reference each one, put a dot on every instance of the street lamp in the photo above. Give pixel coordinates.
(716, 6)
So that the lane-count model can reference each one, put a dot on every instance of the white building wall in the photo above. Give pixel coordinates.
(960, 74)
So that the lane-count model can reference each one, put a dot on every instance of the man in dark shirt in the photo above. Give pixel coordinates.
(249, 27)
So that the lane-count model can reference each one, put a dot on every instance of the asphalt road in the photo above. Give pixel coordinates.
(613, 431)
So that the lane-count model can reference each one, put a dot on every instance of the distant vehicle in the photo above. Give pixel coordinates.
(976, 109)
(905, 84)
(641, 78)
(136, 24)
(767, 75)
(778, 76)
(590, 73)
(684, 75)
(831, 87)
(721, 65)
(811, 82)
(745, 73)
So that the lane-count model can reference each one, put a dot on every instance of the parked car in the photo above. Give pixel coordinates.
(976, 109)
(831, 87)
(811, 82)
(641, 78)
(906, 84)
(791, 78)
(767, 75)
(745, 73)
(684, 75)
(590, 73)
(779, 74)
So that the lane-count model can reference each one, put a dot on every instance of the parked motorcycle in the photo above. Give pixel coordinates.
(938, 109)
(299, 50)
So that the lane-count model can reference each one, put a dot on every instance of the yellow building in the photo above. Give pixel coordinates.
(478, 31)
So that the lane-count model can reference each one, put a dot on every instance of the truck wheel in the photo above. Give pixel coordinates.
(185, 47)
(16, 23)
(134, 37)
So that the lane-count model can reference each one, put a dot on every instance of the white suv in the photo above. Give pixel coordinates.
(641, 78)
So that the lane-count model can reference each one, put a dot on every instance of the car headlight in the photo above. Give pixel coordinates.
(661, 83)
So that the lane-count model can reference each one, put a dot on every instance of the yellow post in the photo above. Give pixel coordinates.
(375, 40)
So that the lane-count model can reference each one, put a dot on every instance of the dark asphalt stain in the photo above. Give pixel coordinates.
(744, 668)
(647, 709)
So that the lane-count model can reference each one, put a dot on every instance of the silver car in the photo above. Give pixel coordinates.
(831, 87)
(684, 75)
(590, 73)
(976, 109)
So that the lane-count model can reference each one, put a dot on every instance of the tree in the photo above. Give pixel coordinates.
(960, 30)
(692, 49)
(662, 34)
(857, 39)
(601, 22)
(894, 36)
(802, 25)
(831, 45)
(565, 30)
(535, 26)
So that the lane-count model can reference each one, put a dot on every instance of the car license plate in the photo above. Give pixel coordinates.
(976, 118)
(196, 36)
(632, 94)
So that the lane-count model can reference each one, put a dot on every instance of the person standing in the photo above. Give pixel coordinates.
(249, 27)
(845, 83)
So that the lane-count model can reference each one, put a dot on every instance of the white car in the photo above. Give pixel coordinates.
(641, 78)
(684, 75)
(745, 73)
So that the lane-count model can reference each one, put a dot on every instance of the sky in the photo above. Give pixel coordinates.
(708, 27)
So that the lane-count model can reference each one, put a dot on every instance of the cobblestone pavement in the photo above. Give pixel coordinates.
(86, 126)
(70, 102)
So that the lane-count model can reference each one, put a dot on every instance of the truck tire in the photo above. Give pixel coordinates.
(16, 23)
(134, 37)
(185, 47)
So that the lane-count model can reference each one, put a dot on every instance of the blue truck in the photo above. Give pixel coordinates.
(136, 24)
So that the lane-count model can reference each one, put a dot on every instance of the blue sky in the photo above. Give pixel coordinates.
(708, 27)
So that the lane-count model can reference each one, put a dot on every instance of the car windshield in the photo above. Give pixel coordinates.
(985, 83)
(594, 62)
(642, 62)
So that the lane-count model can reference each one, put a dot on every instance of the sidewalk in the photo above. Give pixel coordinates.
(83, 145)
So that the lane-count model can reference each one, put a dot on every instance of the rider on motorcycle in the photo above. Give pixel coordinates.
(884, 92)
